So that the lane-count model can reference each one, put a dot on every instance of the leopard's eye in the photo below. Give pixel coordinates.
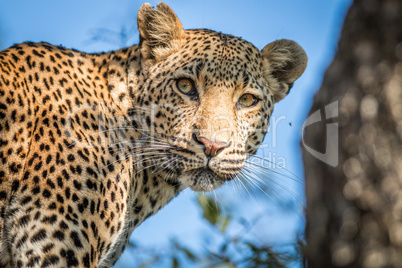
(248, 100)
(186, 86)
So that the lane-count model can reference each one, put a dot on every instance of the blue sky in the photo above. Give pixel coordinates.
(314, 24)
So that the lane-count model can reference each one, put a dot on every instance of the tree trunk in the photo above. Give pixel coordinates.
(353, 190)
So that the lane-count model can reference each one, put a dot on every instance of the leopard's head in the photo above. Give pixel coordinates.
(208, 96)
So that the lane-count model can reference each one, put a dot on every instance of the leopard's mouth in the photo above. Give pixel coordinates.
(201, 179)
(201, 173)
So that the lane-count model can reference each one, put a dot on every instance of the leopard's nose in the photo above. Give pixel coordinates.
(211, 148)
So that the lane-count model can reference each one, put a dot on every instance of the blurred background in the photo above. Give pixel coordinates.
(254, 226)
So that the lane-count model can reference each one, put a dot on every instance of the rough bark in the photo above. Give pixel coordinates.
(354, 210)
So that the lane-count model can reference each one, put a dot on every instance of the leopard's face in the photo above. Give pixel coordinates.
(207, 97)
(209, 103)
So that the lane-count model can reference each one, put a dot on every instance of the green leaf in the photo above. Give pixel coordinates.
(226, 265)
(189, 254)
(225, 224)
(175, 263)
(210, 209)
(223, 248)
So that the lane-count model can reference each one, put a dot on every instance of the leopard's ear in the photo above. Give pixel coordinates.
(284, 62)
(161, 32)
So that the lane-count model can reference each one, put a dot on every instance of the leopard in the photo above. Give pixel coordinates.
(93, 144)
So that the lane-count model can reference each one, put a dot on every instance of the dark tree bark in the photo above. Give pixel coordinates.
(354, 210)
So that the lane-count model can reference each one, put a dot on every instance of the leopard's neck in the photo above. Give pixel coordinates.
(149, 187)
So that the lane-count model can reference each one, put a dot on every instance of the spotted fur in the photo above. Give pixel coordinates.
(91, 145)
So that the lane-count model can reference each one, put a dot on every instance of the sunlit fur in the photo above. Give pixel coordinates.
(94, 144)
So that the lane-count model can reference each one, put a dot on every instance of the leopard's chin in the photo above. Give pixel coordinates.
(201, 179)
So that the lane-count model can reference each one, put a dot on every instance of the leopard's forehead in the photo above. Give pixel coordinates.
(219, 39)
(224, 58)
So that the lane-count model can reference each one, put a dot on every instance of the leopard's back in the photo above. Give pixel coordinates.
(54, 104)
